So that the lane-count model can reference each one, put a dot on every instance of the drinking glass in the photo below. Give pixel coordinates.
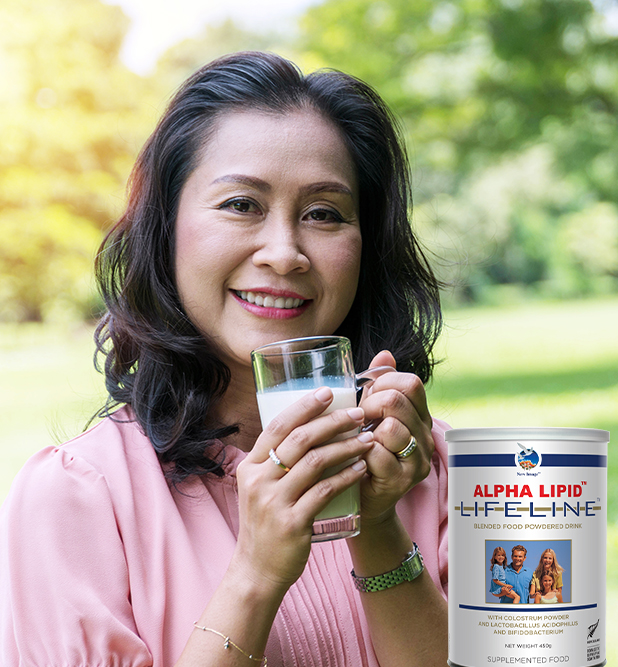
(283, 373)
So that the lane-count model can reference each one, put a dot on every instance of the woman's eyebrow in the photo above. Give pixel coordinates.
(259, 184)
(253, 181)
(326, 186)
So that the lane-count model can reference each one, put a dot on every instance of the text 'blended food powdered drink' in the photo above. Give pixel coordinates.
(527, 544)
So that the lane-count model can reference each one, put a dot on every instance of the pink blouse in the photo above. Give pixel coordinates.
(102, 565)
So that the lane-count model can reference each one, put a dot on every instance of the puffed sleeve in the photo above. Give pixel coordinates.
(64, 584)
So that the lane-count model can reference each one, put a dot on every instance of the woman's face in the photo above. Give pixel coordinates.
(548, 559)
(268, 242)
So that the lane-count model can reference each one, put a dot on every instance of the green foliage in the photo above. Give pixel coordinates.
(509, 107)
(181, 60)
(46, 261)
(72, 118)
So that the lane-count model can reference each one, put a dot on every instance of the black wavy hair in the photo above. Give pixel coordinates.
(156, 361)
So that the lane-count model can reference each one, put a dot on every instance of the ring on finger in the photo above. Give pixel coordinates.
(275, 459)
(408, 450)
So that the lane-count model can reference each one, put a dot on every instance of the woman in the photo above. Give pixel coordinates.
(266, 205)
(548, 562)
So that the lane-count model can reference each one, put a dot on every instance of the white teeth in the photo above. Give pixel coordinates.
(270, 301)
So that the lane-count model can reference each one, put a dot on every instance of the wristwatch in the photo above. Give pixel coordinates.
(410, 568)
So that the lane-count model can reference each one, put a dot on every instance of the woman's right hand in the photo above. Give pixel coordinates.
(277, 508)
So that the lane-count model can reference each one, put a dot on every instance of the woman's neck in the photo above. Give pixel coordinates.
(239, 406)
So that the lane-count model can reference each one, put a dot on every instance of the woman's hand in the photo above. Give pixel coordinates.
(396, 402)
(277, 508)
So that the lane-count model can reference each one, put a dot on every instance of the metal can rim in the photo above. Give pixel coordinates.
(527, 433)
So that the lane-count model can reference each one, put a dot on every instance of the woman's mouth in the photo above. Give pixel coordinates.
(269, 301)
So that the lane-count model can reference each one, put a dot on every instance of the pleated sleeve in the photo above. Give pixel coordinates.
(63, 574)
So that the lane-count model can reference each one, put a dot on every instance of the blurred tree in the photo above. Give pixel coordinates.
(72, 118)
(485, 76)
(478, 83)
(181, 60)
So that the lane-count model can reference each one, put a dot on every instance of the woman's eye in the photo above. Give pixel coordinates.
(324, 215)
(240, 206)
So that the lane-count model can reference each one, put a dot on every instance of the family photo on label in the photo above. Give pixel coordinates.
(514, 579)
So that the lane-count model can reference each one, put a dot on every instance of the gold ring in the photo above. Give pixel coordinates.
(408, 450)
(275, 459)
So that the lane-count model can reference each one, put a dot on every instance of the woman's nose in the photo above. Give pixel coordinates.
(280, 248)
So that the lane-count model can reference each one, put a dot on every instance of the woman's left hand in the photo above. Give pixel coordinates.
(396, 402)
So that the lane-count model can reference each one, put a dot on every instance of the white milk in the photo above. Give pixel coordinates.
(274, 401)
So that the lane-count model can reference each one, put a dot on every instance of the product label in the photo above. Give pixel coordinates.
(527, 543)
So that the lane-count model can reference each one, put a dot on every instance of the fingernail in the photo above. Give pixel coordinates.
(365, 436)
(356, 414)
(324, 394)
(359, 465)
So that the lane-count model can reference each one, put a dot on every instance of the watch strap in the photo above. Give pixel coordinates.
(410, 568)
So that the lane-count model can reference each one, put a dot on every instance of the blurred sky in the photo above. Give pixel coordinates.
(158, 24)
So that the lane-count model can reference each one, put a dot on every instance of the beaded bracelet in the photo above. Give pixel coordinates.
(227, 642)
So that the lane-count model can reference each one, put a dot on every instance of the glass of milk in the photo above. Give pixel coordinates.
(284, 372)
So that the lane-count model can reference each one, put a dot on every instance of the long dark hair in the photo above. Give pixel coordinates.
(156, 361)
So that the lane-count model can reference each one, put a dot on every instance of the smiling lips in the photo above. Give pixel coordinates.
(270, 301)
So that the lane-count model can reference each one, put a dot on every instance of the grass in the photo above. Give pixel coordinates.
(551, 364)
(48, 389)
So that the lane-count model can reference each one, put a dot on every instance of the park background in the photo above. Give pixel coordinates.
(509, 109)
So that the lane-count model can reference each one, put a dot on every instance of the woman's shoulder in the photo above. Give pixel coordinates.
(64, 551)
(105, 457)
(116, 436)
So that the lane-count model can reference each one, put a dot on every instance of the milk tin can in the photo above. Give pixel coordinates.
(527, 546)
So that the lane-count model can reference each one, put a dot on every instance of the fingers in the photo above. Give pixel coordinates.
(323, 461)
(316, 498)
(305, 441)
(397, 408)
(277, 500)
(383, 358)
(301, 427)
(406, 393)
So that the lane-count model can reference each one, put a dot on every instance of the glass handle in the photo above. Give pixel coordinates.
(369, 376)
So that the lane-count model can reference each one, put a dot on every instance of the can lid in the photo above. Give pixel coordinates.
(527, 433)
